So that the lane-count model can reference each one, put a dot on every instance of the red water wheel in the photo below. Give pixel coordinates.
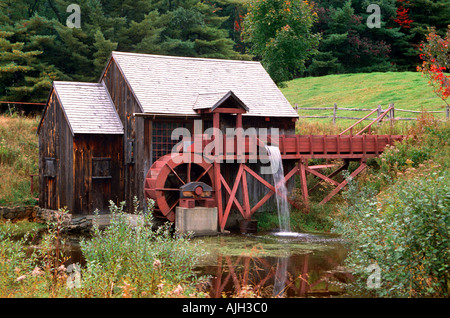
(168, 174)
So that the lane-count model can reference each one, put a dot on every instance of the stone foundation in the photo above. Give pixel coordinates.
(17, 213)
(199, 220)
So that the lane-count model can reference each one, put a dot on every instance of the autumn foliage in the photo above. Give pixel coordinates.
(435, 55)
(402, 18)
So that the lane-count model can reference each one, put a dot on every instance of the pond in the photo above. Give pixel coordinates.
(298, 265)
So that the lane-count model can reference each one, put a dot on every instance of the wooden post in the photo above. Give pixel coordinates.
(217, 174)
(304, 185)
(334, 113)
(447, 111)
(245, 196)
(392, 115)
(379, 113)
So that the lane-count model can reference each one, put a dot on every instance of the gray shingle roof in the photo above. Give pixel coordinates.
(171, 85)
(213, 100)
(88, 108)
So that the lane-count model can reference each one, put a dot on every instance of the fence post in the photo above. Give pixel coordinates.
(379, 111)
(392, 114)
(447, 111)
(334, 113)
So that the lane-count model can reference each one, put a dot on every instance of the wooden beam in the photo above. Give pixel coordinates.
(261, 202)
(361, 167)
(235, 200)
(259, 178)
(291, 173)
(304, 185)
(232, 196)
(229, 110)
(245, 196)
(321, 176)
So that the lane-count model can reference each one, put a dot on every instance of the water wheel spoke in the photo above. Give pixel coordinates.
(176, 174)
(189, 167)
(204, 173)
(174, 205)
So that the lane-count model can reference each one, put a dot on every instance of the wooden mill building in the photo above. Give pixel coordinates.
(97, 141)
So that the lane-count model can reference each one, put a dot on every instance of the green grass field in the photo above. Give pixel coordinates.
(406, 90)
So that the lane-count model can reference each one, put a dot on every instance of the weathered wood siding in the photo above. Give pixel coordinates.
(90, 191)
(55, 141)
(137, 135)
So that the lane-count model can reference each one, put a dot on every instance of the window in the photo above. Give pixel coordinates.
(162, 143)
(50, 167)
(101, 168)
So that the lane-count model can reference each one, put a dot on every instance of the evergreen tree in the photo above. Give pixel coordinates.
(349, 44)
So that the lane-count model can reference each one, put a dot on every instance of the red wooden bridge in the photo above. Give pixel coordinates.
(169, 178)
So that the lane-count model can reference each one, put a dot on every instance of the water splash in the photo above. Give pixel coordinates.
(280, 185)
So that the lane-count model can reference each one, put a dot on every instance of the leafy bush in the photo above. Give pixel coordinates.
(405, 231)
(133, 260)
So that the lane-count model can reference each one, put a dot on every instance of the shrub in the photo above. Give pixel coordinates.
(133, 260)
(405, 231)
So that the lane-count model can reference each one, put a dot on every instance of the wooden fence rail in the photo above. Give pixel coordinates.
(390, 115)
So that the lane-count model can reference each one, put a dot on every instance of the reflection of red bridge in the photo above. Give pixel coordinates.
(234, 275)
(170, 173)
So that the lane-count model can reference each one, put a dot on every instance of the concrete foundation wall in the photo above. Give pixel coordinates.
(199, 220)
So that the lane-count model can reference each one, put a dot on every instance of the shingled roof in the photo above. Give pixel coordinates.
(175, 85)
(88, 108)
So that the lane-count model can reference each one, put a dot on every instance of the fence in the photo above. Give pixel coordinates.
(37, 106)
(390, 115)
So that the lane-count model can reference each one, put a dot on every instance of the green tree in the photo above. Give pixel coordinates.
(349, 44)
(280, 36)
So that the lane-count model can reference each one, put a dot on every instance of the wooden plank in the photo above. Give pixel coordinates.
(343, 183)
(235, 200)
(304, 186)
(323, 177)
(232, 196)
(261, 202)
(247, 211)
(259, 178)
(218, 191)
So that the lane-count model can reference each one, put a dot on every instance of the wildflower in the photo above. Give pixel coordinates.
(178, 290)
(37, 272)
(20, 278)
(156, 264)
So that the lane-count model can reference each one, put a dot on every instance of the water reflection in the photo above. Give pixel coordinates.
(264, 265)
(297, 266)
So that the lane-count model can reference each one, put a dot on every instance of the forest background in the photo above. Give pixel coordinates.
(37, 46)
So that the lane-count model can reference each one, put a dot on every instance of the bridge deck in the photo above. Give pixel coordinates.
(297, 147)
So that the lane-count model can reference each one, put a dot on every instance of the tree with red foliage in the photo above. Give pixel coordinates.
(402, 18)
(435, 54)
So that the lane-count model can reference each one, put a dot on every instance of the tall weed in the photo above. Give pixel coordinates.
(133, 260)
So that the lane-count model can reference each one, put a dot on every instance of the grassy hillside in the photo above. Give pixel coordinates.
(18, 159)
(407, 90)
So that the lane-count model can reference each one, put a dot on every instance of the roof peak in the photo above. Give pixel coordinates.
(184, 57)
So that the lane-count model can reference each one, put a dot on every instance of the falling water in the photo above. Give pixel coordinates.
(280, 185)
